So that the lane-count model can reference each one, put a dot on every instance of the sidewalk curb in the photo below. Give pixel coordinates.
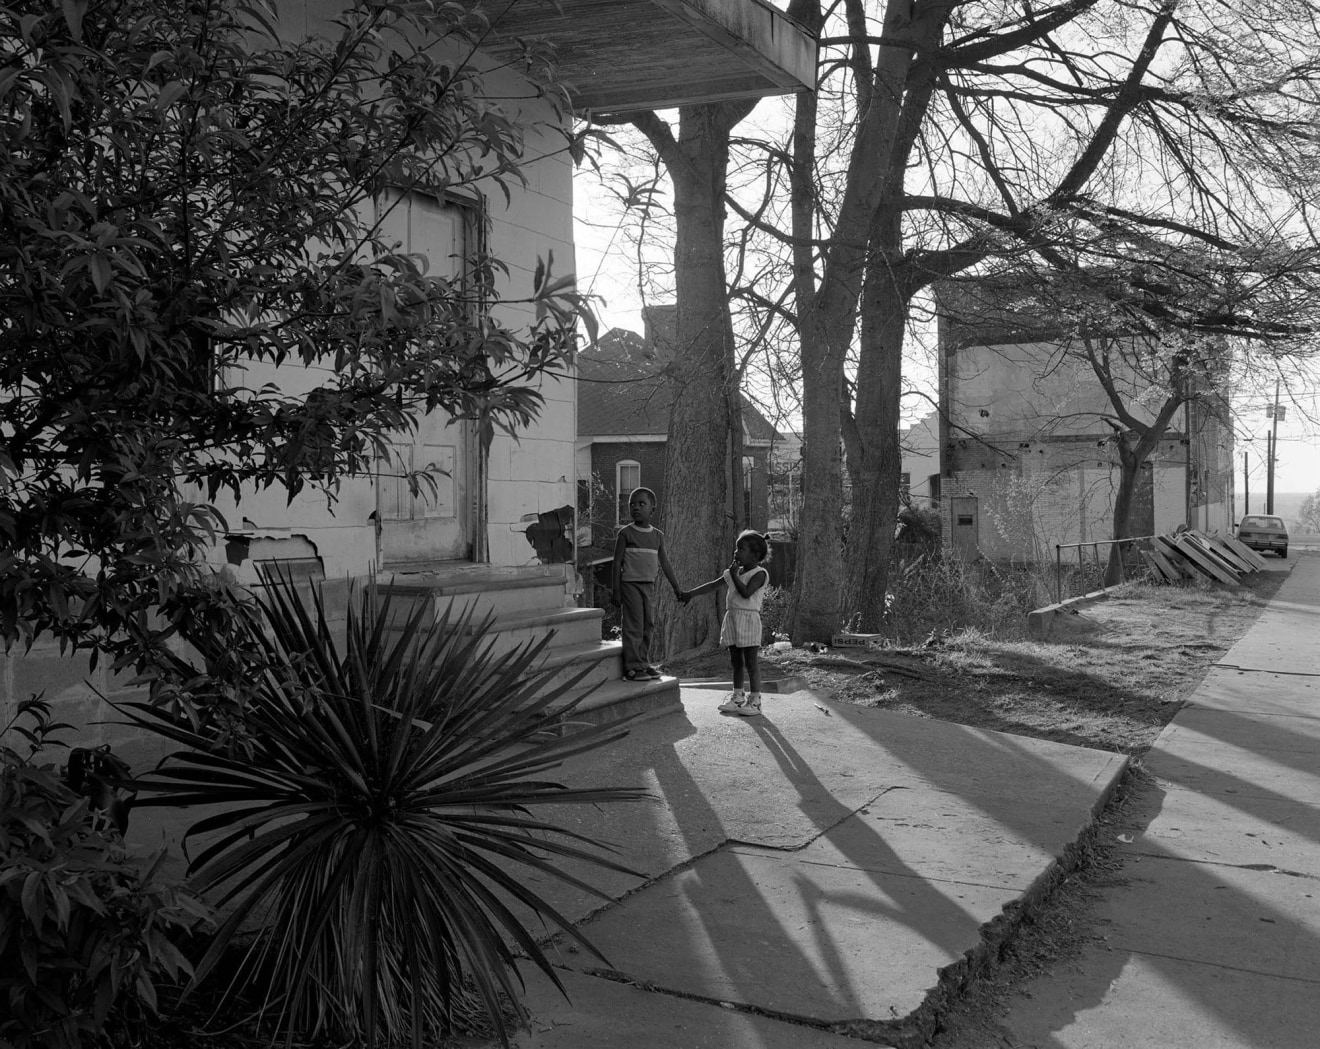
(957, 979)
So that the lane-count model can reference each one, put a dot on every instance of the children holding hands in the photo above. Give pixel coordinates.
(640, 557)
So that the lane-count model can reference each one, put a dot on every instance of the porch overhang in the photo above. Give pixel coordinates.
(618, 56)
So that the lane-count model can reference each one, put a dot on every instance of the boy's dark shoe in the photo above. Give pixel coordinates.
(654, 673)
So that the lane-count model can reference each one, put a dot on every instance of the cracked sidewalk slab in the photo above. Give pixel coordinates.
(812, 868)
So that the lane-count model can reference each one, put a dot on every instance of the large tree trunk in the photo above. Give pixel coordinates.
(1129, 472)
(818, 579)
(827, 314)
(697, 456)
(874, 455)
(1131, 457)
(818, 574)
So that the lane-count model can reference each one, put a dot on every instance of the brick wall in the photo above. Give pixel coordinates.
(651, 456)
(1045, 493)
(604, 457)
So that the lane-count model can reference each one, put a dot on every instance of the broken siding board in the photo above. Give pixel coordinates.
(1207, 563)
(1158, 572)
(1229, 554)
(1234, 543)
(1228, 557)
(1189, 570)
(1155, 571)
(1220, 558)
(1168, 567)
(1237, 562)
(1213, 559)
(1169, 549)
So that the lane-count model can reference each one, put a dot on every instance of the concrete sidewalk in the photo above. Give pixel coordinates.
(1213, 938)
(807, 875)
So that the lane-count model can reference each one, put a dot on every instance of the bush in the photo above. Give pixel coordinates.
(377, 796)
(85, 932)
(774, 610)
(934, 593)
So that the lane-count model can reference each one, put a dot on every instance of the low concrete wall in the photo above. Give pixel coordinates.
(1042, 622)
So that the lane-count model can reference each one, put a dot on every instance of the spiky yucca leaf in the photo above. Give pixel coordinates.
(378, 813)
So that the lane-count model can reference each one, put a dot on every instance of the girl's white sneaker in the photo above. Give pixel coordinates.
(752, 707)
(734, 704)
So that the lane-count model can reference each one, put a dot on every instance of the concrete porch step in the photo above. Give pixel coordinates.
(571, 626)
(501, 592)
(526, 605)
(617, 699)
(603, 661)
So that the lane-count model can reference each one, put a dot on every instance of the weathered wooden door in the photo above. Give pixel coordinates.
(965, 512)
(437, 523)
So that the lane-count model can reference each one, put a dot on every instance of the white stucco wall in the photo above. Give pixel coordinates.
(1031, 389)
(1032, 446)
(534, 472)
(920, 444)
(527, 474)
(1170, 497)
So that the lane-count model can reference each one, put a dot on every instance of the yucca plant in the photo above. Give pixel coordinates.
(378, 814)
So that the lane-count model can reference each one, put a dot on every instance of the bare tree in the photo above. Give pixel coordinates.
(946, 138)
(1309, 517)
(1075, 134)
(1152, 348)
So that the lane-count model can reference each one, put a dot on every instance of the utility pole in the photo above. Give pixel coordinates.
(1275, 413)
(1246, 486)
(1187, 463)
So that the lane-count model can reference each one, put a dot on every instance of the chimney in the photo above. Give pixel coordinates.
(660, 324)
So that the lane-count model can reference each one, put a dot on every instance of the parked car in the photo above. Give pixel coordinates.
(1264, 533)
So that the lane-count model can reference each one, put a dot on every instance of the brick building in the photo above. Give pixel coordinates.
(624, 404)
(1028, 457)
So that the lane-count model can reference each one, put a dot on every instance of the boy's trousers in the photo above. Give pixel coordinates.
(638, 615)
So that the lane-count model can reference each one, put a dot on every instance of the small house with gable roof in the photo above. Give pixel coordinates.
(625, 398)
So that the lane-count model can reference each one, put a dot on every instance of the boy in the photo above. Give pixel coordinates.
(639, 557)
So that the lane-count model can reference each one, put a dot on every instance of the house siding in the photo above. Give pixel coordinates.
(528, 474)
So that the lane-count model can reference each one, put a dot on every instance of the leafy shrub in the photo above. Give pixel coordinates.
(918, 530)
(934, 593)
(773, 612)
(84, 930)
(374, 802)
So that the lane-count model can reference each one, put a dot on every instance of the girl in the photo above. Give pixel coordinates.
(741, 629)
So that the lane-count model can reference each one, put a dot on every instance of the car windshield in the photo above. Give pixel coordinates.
(1263, 522)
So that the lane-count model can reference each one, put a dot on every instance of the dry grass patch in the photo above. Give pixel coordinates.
(1114, 676)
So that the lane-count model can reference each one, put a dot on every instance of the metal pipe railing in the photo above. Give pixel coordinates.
(1095, 544)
